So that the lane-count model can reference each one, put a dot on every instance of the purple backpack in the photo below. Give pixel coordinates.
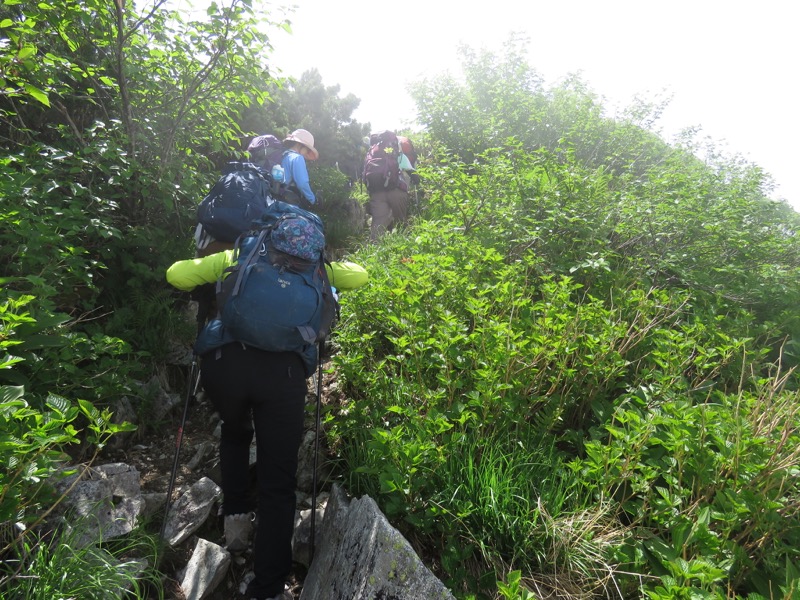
(266, 151)
(381, 167)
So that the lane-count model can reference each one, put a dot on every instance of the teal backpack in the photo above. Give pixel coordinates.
(276, 296)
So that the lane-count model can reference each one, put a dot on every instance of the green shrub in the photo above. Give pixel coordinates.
(509, 308)
(710, 482)
(35, 435)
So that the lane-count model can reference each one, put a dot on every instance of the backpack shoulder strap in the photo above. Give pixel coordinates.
(239, 267)
(242, 266)
(287, 173)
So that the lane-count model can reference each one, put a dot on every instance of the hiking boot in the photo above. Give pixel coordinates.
(238, 529)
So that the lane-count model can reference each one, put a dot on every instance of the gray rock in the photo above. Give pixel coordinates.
(201, 451)
(123, 411)
(362, 557)
(305, 464)
(206, 569)
(190, 511)
(153, 502)
(106, 499)
(301, 540)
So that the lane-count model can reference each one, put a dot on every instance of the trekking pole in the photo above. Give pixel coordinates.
(203, 311)
(316, 452)
(191, 392)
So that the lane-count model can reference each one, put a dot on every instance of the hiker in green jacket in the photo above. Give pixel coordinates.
(188, 274)
(262, 394)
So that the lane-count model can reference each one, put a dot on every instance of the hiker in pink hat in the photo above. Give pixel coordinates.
(299, 148)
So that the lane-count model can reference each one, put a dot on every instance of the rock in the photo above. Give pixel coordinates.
(206, 569)
(362, 557)
(190, 511)
(301, 540)
(153, 503)
(106, 499)
(305, 464)
(123, 411)
(201, 451)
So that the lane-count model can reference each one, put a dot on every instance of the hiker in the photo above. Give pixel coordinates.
(387, 173)
(408, 166)
(261, 393)
(299, 148)
(244, 180)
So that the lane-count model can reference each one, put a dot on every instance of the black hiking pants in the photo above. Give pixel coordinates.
(262, 392)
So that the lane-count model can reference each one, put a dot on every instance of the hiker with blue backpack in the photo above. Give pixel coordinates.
(276, 170)
(276, 302)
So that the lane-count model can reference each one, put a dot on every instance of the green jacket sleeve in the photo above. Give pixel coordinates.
(188, 274)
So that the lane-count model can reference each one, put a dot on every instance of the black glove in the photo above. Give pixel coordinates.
(414, 179)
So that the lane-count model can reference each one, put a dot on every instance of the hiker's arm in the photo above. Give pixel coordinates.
(188, 274)
(345, 275)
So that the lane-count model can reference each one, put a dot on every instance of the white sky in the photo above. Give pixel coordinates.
(730, 65)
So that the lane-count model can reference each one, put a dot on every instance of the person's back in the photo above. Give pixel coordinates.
(265, 151)
(255, 374)
(406, 169)
(407, 148)
(384, 174)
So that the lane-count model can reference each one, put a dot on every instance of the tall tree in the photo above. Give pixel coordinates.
(308, 103)
(110, 117)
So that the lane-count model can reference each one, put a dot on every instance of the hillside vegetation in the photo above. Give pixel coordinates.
(573, 372)
(576, 370)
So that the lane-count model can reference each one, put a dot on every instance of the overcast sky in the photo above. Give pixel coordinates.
(730, 66)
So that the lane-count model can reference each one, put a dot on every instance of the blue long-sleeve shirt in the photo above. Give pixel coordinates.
(295, 171)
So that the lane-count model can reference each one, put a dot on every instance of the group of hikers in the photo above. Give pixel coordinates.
(388, 172)
(268, 299)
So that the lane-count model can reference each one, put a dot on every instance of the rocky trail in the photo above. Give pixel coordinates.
(151, 451)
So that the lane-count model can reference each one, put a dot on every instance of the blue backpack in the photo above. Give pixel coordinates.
(237, 200)
(276, 296)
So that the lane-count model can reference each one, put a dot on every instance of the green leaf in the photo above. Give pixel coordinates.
(37, 94)
(9, 393)
(25, 52)
(37, 342)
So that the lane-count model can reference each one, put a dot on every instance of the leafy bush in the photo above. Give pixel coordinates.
(343, 215)
(572, 364)
(37, 435)
(513, 307)
(711, 478)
